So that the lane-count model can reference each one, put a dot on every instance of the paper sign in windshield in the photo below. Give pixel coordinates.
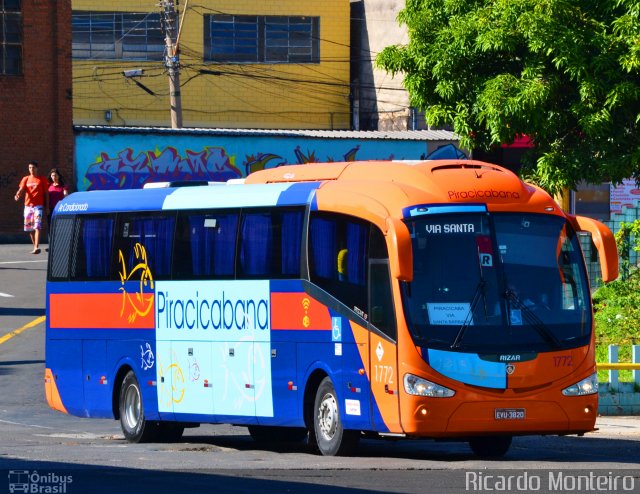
(449, 314)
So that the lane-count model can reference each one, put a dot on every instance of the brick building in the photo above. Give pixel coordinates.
(35, 98)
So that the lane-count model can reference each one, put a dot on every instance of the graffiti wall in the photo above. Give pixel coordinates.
(112, 160)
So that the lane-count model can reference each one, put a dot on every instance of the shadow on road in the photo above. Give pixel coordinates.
(564, 448)
(21, 311)
(33, 476)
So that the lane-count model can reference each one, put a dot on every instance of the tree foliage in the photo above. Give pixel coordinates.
(563, 72)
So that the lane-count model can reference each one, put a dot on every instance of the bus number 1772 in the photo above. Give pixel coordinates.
(384, 373)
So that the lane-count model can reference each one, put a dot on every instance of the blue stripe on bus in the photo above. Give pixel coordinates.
(297, 194)
(110, 201)
(314, 203)
(93, 287)
(424, 209)
(285, 286)
(215, 196)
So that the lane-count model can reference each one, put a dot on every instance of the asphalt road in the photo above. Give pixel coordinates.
(46, 451)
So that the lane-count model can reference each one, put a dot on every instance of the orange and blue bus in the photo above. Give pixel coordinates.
(325, 302)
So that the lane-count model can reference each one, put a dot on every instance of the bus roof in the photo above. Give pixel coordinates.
(368, 189)
(400, 185)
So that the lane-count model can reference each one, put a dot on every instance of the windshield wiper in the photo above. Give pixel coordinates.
(534, 321)
(467, 320)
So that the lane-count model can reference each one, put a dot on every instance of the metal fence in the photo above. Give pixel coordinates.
(614, 367)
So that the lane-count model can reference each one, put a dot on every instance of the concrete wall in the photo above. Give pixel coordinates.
(384, 105)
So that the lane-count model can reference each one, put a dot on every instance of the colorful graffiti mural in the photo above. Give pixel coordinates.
(126, 171)
(118, 161)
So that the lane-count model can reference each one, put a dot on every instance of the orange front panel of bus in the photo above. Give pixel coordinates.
(480, 417)
(99, 311)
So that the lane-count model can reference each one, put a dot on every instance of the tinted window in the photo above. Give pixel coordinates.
(154, 234)
(270, 244)
(338, 248)
(381, 302)
(501, 282)
(92, 253)
(382, 315)
(60, 248)
(206, 245)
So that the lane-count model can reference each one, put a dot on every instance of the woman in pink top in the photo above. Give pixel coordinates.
(57, 190)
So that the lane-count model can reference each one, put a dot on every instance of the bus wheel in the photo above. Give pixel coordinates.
(331, 438)
(490, 447)
(135, 427)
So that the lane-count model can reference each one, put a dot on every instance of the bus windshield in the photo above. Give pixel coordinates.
(496, 283)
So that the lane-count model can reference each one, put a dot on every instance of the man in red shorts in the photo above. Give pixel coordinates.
(36, 200)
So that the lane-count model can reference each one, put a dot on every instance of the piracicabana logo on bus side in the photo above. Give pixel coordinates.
(211, 311)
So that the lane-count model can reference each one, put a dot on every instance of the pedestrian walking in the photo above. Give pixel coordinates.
(57, 191)
(34, 188)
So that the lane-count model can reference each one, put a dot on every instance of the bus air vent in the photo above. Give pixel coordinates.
(460, 166)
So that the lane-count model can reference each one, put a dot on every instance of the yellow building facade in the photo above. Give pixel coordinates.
(282, 64)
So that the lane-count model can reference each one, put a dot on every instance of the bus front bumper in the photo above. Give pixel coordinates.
(573, 415)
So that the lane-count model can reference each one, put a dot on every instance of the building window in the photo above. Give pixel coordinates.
(10, 37)
(594, 200)
(117, 35)
(261, 39)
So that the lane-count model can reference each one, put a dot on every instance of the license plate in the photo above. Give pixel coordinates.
(510, 413)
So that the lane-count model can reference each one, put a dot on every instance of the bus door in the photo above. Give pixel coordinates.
(190, 374)
(241, 378)
(383, 356)
(233, 384)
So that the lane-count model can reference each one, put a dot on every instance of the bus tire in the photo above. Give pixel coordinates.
(490, 447)
(135, 427)
(331, 437)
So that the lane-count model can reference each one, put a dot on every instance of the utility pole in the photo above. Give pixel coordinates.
(172, 60)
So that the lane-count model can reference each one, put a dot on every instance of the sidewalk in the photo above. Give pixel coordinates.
(619, 425)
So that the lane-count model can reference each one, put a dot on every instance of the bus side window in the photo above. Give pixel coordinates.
(155, 233)
(291, 242)
(92, 253)
(270, 243)
(380, 297)
(339, 257)
(60, 249)
(206, 245)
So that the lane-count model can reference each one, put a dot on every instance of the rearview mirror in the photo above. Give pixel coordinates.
(605, 244)
(401, 255)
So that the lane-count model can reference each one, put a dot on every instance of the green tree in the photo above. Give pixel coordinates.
(563, 72)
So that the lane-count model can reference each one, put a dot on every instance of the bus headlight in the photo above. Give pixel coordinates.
(588, 386)
(415, 385)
